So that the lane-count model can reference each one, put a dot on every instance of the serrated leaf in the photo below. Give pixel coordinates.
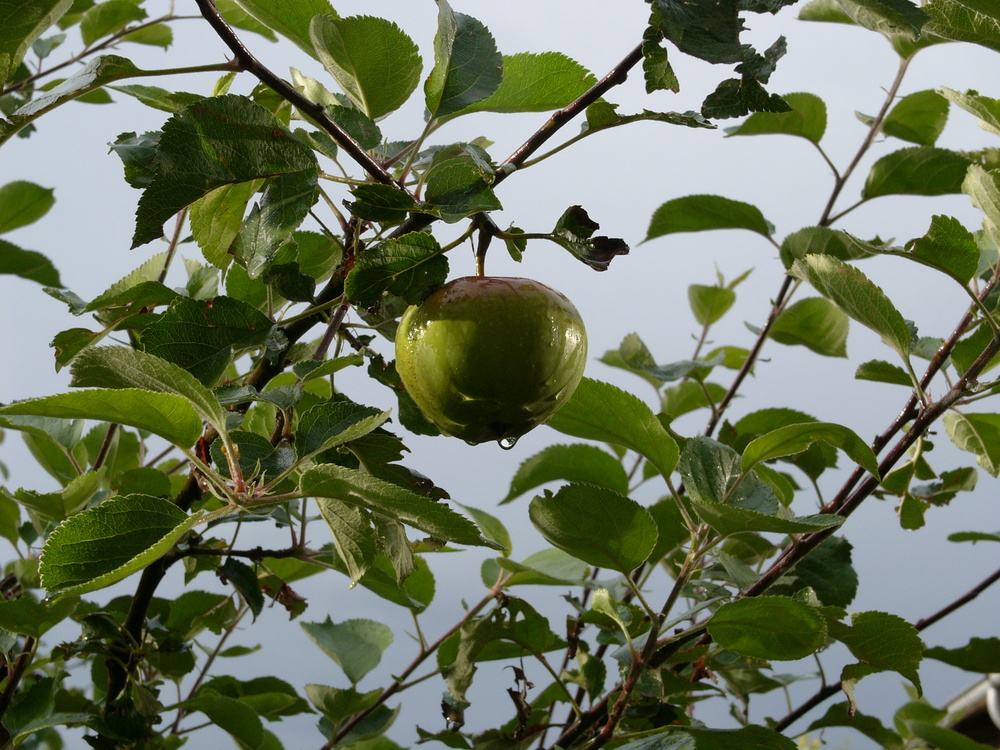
(356, 645)
(774, 628)
(841, 715)
(549, 567)
(168, 415)
(24, 21)
(467, 66)
(104, 544)
(883, 642)
(985, 108)
(890, 17)
(732, 501)
(815, 323)
(122, 367)
(382, 203)
(290, 18)
(29, 617)
(575, 232)
(943, 737)
(328, 425)
(587, 464)
(698, 213)
(231, 715)
(23, 203)
(957, 20)
(827, 570)
(822, 241)
(244, 579)
(980, 655)
(253, 142)
(795, 438)
(806, 119)
(372, 59)
(880, 371)
(857, 296)
(216, 219)
(710, 303)
(596, 525)
(366, 491)
(406, 266)
(600, 411)
(97, 73)
(536, 82)
(202, 337)
(983, 188)
(919, 170)
(457, 188)
(978, 434)
(28, 265)
(919, 118)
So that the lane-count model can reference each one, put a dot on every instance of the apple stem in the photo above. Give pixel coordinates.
(487, 229)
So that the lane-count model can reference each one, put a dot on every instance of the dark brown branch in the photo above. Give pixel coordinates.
(616, 77)
(315, 110)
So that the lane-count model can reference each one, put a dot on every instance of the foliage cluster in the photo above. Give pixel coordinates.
(198, 409)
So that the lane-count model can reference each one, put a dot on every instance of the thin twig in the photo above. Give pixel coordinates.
(315, 110)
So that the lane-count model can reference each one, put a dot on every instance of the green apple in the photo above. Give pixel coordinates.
(489, 358)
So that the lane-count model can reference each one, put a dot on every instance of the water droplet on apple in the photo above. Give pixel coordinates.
(507, 442)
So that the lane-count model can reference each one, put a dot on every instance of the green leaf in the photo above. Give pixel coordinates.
(270, 223)
(244, 579)
(459, 187)
(109, 542)
(536, 82)
(880, 371)
(825, 11)
(657, 72)
(28, 265)
(919, 170)
(491, 526)
(581, 463)
(327, 425)
(827, 570)
(815, 323)
(356, 645)
(985, 108)
(600, 411)
(597, 525)
(857, 296)
(697, 213)
(882, 641)
(732, 501)
(976, 433)
(353, 536)
(822, 241)
(231, 715)
(795, 438)
(383, 203)
(23, 203)
(980, 655)
(699, 738)
(575, 232)
(406, 266)
(168, 415)
(889, 17)
(252, 142)
(108, 17)
(467, 66)
(290, 18)
(919, 118)
(841, 715)
(26, 616)
(944, 738)
(710, 303)
(806, 119)
(122, 367)
(95, 74)
(549, 567)
(960, 21)
(947, 246)
(774, 628)
(983, 187)
(372, 59)
(366, 491)
(216, 220)
(24, 21)
(202, 337)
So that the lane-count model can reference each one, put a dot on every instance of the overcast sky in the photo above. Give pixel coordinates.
(620, 177)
